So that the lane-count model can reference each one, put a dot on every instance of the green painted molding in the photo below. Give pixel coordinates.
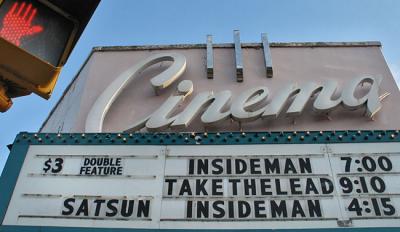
(24, 140)
(223, 138)
(10, 175)
(76, 229)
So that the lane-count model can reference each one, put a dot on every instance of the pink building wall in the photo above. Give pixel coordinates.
(292, 63)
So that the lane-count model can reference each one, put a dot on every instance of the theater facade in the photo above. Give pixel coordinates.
(271, 136)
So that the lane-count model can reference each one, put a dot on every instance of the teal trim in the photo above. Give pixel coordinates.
(24, 140)
(10, 175)
(77, 229)
(224, 138)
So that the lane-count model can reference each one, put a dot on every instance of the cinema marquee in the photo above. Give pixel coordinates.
(245, 136)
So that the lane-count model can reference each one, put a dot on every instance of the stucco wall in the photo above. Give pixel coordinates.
(290, 63)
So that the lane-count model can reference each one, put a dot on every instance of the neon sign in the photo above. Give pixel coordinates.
(36, 27)
(17, 23)
(250, 105)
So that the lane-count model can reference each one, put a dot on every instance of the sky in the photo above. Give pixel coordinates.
(150, 22)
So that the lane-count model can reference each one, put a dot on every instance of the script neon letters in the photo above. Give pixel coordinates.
(250, 105)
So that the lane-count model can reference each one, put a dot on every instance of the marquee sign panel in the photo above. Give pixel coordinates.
(283, 180)
(245, 136)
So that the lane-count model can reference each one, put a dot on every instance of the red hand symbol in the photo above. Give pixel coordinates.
(17, 23)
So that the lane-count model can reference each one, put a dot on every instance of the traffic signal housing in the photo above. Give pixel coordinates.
(36, 39)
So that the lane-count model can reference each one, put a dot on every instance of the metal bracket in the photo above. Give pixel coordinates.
(210, 58)
(267, 55)
(238, 56)
(344, 223)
